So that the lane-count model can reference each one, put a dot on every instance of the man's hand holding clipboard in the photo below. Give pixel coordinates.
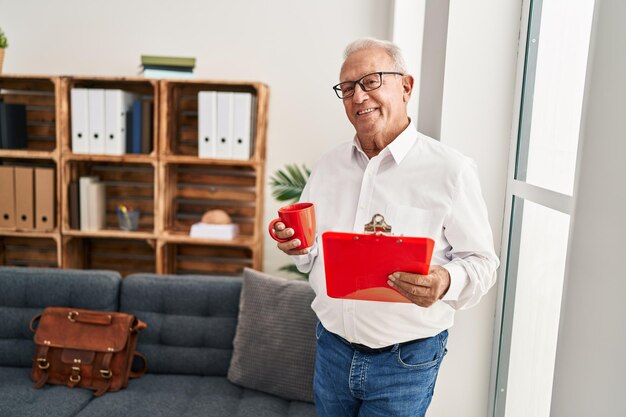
(423, 290)
(376, 266)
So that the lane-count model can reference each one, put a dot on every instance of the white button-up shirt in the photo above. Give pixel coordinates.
(422, 188)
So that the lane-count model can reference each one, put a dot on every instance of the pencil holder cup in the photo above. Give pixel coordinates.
(129, 219)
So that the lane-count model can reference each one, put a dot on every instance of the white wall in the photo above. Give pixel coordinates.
(294, 47)
(590, 372)
(476, 118)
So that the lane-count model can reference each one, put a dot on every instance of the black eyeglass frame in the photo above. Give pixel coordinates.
(337, 88)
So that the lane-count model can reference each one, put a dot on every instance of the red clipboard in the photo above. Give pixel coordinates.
(357, 265)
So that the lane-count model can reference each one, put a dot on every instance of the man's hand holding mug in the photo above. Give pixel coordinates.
(294, 229)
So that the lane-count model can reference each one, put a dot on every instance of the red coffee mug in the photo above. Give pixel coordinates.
(301, 218)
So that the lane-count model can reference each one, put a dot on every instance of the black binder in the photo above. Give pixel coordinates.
(13, 126)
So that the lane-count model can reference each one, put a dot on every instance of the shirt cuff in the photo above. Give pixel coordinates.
(300, 260)
(458, 280)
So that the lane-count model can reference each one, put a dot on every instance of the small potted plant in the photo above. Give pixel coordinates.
(3, 44)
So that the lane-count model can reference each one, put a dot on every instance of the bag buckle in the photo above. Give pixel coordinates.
(106, 373)
(75, 377)
(43, 363)
(71, 316)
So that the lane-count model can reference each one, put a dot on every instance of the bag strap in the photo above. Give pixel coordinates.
(34, 320)
(137, 374)
(137, 326)
(106, 374)
(43, 364)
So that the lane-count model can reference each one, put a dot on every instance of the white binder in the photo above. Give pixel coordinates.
(117, 104)
(242, 112)
(223, 148)
(84, 198)
(97, 193)
(96, 120)
(207, 124)
(80, 120)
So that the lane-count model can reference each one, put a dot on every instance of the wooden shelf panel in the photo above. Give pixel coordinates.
(128, 158)
(28, 82)
(179, 130)
(194, 160)
(127, 256)
(139, 85)
(54, 234)
(194, 189)
(145, 88)
(27, 154)
(34, 250)
(111, 233)
(128, 184)
(173, 237)
(39, 97)
(198, 259)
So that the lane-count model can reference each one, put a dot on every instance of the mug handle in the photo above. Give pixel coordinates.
(271, 230)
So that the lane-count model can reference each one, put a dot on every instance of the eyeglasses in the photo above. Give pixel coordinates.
(368, 82)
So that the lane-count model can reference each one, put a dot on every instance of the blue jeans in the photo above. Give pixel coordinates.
(399, 382)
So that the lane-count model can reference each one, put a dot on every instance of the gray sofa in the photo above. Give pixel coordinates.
(192, 322)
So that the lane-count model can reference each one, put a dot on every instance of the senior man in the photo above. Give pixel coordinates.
(382, 358)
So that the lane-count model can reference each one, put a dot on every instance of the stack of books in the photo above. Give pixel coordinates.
(167, 66)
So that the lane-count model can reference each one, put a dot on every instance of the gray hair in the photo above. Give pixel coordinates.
(393, 50)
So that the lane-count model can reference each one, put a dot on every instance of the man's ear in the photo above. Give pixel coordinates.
(407, 86)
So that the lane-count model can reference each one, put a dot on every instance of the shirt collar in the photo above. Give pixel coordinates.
(399, 147)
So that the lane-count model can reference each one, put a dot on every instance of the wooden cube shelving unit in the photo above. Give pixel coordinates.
(171, 186)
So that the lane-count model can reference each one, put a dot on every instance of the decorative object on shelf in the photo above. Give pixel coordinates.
(4, 43)
(215, 224)
(167, 66)
(128, 218)
(287, 186)
(216, 217)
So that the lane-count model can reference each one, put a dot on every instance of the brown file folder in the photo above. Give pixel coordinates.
(44, 199)
(24, 198)
(7, 199)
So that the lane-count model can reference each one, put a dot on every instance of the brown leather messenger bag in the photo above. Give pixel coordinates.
(84, 348)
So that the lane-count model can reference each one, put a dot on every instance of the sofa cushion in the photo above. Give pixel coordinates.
(191, 320)
(274, 347)
(19, 398)
(25, 292)
(192, 396)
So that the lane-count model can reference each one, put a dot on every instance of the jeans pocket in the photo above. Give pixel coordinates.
(319, 330)
(421, 354)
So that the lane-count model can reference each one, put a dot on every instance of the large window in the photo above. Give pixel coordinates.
(540, 193)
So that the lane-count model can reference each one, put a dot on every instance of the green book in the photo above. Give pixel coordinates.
(169, 61)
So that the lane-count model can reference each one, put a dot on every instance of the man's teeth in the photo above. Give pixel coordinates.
(365, 111)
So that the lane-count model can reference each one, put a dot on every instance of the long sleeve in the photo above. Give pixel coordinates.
(473, 262)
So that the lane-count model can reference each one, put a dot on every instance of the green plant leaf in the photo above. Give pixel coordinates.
(293, 269)
(3, 40)
(287, 184)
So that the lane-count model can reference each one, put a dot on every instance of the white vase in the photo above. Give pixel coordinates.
(1, 58)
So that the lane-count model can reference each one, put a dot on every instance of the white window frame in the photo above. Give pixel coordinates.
(515, 188)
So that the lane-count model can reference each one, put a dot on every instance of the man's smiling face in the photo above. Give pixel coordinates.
(381, 112)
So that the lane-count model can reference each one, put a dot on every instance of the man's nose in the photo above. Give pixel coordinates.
(360, 95)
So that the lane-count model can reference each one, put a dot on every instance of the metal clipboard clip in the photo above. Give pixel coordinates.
(377, 225)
